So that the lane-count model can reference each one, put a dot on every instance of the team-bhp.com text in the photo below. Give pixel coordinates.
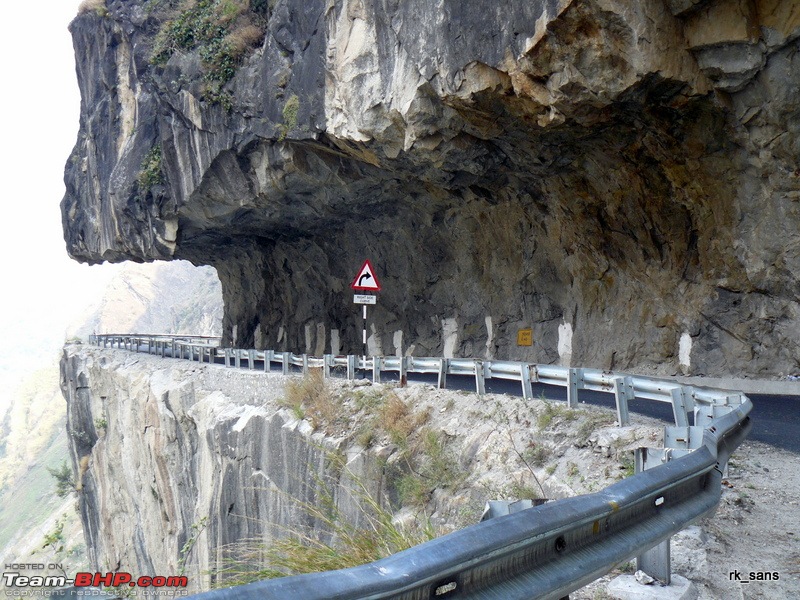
(83, 579)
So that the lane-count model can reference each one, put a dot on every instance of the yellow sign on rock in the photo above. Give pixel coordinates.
(525, 337)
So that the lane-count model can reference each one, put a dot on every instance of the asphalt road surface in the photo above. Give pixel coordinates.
(776, 419)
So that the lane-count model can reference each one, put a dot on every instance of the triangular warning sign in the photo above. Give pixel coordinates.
(366, 280)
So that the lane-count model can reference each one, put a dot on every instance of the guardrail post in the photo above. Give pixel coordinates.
(376, 369)
(285, 363)
(268, 356)
(444, 366)
(327, 359)
(351, 367)
(305, 364)
(525, 377)
(403, 371)
(172, 348)
(655, 562)
(251, 359)
(623, 393)
(572, 388)
(480, 378)
(680, 407)
(237, 358)
(733, 399)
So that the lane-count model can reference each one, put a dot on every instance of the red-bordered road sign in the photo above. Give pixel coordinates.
(366, 280)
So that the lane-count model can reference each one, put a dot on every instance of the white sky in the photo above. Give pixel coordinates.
(43, 289)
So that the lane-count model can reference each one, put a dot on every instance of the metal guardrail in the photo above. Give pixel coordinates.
(542, 552)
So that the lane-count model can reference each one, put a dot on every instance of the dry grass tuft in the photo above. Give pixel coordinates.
(347, 545)
(398, 420)
(244, 37)
(97, 6)
(311, 398)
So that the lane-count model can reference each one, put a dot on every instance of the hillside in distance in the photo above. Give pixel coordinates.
(162, 298)
(158, 298)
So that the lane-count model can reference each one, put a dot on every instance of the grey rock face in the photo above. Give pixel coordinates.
(163, 461)
(618, 177)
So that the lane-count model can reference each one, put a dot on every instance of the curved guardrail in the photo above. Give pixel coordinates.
(542, 552)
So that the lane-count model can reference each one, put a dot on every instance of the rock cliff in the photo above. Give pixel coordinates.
(170, 472)
(180, 465)
(620, 177)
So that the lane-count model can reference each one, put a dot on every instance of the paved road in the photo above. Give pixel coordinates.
(776, 419)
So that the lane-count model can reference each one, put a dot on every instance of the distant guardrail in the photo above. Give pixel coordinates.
(542, 552)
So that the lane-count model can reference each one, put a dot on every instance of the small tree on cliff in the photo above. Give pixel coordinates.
(65, 482)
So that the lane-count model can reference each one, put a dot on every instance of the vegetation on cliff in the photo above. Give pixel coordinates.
(221, 31)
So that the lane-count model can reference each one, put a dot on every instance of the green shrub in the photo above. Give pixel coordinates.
(536, 455)
(65, 481)
(290, 110)
(150, 171)
(55, 538)
(221, 31)
(523, 492)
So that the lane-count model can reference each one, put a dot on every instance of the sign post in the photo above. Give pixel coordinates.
(365, 281)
